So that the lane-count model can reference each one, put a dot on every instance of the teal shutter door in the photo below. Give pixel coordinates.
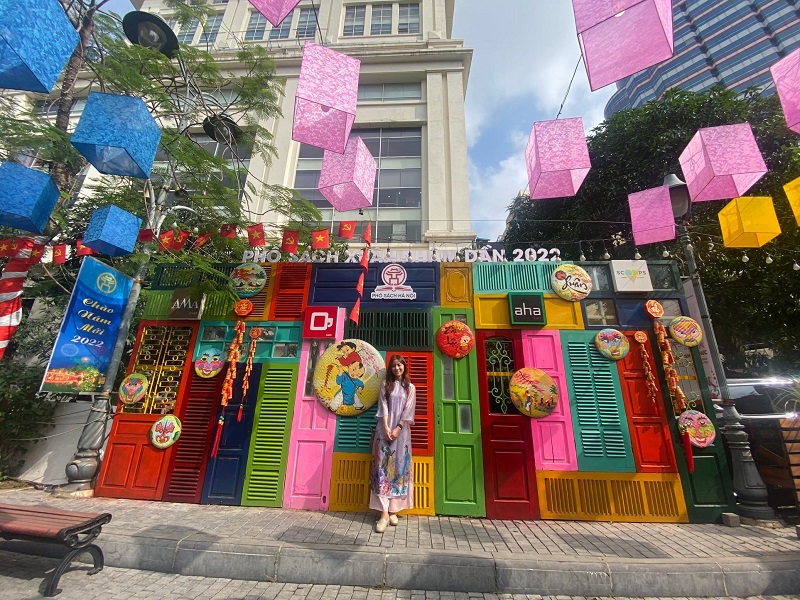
(602, 437)
(266, 464)
(353, 434)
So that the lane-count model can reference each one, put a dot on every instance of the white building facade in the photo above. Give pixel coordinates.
(410, 108)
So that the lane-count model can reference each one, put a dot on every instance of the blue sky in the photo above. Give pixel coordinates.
(524, 53)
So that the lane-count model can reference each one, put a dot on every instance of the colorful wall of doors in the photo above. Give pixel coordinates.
(255, 434)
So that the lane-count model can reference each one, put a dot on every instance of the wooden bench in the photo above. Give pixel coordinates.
(75, 530)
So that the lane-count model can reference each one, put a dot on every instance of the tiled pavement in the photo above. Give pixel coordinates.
(444, 555)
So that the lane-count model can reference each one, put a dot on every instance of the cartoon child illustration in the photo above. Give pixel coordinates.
(350, 383)
(347, 355)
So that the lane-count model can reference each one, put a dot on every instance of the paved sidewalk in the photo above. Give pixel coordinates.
(441, 553)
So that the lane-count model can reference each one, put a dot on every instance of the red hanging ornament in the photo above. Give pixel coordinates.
(234, 351)
(255, 334)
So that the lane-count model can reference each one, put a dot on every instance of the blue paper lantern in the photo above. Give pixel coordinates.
(112, 231)
(36, 41)
(27, 197)
(118, 135)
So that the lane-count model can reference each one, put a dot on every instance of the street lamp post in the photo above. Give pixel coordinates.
(748, 487)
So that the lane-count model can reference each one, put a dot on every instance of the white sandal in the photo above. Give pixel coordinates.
(380, 526)
(393, 520)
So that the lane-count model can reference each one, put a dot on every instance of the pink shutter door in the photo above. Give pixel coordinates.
(553, 439)
(308, 466)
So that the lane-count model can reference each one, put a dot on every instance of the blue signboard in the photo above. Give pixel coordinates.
(85, 342)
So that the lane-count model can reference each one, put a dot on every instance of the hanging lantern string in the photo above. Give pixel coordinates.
(316, 18)
(569, 87)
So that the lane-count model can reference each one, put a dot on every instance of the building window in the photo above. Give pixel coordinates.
(382, 92)
(381, 19)
(409, 18)
(396, 212)
(256, 27)
(281, 32)
(354, 17)
(187, 32)
(500, 367)
(601, 277)
(211, 29)
(307, 23)
(661, 276)
(601, 312)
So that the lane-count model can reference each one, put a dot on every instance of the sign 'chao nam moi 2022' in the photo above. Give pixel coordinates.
(85, 342)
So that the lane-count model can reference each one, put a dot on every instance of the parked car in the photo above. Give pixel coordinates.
(762, 404)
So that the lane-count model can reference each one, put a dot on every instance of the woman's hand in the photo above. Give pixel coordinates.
(387, 432)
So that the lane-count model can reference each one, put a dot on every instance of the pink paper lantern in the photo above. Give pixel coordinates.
(557, 158)
(651, 216)
(348, 180)
(786, 74)
(722, 162)
(275, 10)
(327, 92)
(621, 37)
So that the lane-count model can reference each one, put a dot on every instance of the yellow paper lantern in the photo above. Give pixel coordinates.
(792, 190)
(748, 222)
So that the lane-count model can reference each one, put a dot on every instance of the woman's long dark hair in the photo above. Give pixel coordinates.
(390, 378)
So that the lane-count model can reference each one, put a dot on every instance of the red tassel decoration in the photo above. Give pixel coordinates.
(687, 449)
(241, 410)
(217, 436)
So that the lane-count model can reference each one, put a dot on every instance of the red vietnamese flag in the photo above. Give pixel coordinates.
(5, 248)
(59, 254)
(347, 229)
(356, 312)
(367, 237)
(255, 235)
(320, 239)
(228, 230)
(165, 240)
(365, 260)
(360, 285)
(81, 250)
(201, 241)
(289, 244)
(37, 252)
(146, 235)
(179, 240)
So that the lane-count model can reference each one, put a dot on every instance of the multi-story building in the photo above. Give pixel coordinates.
(731, 43)
(410, 107)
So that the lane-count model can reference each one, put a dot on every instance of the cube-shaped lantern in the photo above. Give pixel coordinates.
(347, 180)
(722, 162)
(36, 41)
(786, 74)
(327, 92)
(748, 222)
(118, 135)
(112, 231)
(792, 190)
(27, 197)
(557, 158)
(275, 10)
(651, 216)
(621, 37)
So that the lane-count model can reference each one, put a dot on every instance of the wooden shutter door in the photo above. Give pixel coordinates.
(420, 373)
(553, 437)
(508, 466)
(225, 473)
(308, 465)
(458, 475)
(266, 464)
(198, 418)
(290, 293)
(598, 415)
(652, 445)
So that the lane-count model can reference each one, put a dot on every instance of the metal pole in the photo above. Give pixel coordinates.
(748, 487)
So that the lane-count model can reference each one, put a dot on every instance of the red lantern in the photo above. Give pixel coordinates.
(455, 339)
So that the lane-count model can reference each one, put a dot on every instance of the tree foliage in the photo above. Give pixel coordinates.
(752, 304)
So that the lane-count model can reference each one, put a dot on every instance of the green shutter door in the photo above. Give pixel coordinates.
(458, 457)
(602, 438)
(266, 464)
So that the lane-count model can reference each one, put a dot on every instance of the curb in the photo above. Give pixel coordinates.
(445, 571)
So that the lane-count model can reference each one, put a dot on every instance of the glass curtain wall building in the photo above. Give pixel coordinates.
(717, 42)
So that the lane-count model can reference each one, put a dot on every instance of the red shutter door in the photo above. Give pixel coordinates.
(420, 373)
(650, 438)
(507, 440)
(290, 295)
(198, 418)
